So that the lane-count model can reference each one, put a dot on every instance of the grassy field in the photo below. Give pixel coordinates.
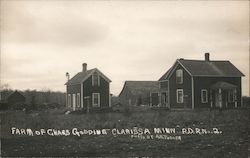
(233, 142)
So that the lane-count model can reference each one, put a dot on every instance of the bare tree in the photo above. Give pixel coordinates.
(5, 90)
(5, 86)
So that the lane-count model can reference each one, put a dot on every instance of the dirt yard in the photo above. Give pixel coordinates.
(232, 142)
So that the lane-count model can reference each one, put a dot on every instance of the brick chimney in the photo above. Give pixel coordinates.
(84, 67)
(67, 76)
(207, 57)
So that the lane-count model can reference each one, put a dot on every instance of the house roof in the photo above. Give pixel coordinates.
(207, 68)
(211, 68)
(6, 94)
(223, 85)
(140, 88)
(82, 76)
(166, 74)
(16, 94)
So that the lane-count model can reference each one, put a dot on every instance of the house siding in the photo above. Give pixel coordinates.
(164, 93)
(144, 99)
(186, 86)
(125, 96)
(163, 84)
(71, 89)
(129, 99)
(103, 89)
(206, 82)
(15, 98)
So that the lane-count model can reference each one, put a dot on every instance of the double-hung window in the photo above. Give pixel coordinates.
(204, 98)
(96, 99)
(95, 79)
(179, 76)
(179, 96)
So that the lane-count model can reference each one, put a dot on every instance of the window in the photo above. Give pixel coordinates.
(78, 100)
(204, 96)
(179, 76)
(96, 99)
(231, 96)
(179, 95)
(69, 100)
(95, 79)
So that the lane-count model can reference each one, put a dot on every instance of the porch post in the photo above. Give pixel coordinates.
(81, 95)
(192, 81)
(110, 96)
(226, 99)
(220, 98)
(235, 98)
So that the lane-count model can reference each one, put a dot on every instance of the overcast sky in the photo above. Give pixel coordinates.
(126, 40)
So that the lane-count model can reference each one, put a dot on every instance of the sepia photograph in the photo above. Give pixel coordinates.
(124, 78)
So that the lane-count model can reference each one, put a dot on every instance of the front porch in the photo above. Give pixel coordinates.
(159, 99)
(223, 95)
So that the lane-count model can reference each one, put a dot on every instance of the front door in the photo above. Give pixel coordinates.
(163, 99)
(86, 103)
(74, 102)
(155, 99)
(218, 99)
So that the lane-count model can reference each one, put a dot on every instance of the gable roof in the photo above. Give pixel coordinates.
(82, 76)
(163, 77)
(6, 94)
(211, 68)
(140, 88)
(223, 85)
(207, 68)
(16, 94)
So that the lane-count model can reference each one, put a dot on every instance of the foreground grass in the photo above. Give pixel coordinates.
(231, 143)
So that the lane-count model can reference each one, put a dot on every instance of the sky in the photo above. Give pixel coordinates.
(126, 40)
